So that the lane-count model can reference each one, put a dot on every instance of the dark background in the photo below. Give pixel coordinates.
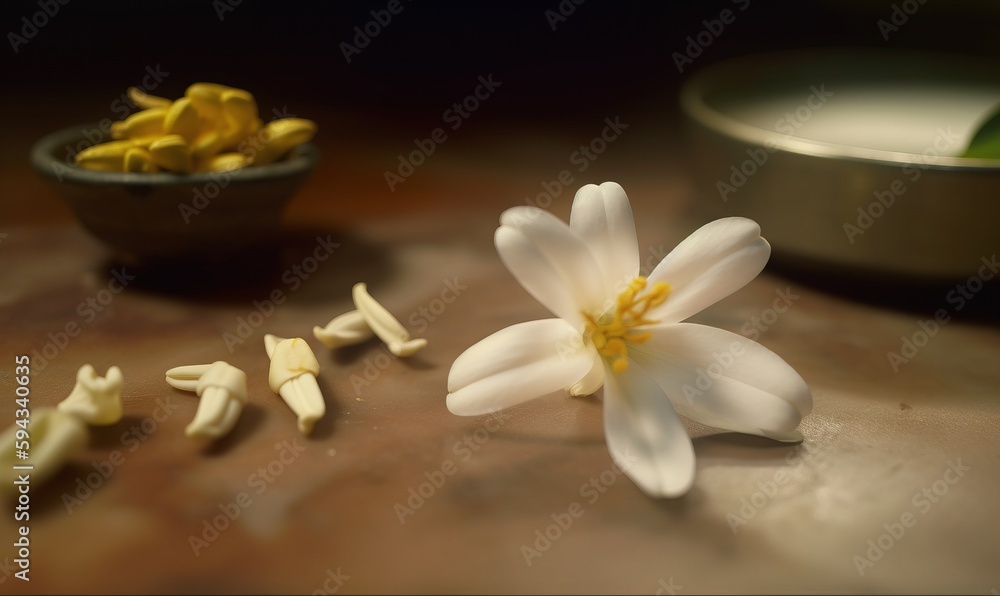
(430, 54)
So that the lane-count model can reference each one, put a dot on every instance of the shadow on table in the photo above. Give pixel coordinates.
(969, 299)
(347, 355)
(743, 446)
(251, 418)
(314, 264)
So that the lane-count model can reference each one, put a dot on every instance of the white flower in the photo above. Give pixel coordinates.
(625, 332)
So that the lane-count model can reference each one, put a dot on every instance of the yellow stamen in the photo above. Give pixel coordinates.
(613, 331)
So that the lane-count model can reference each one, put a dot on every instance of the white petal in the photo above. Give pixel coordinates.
(724, 380)
(592, 381)
(303, 396)
(218, 411)
(710, 264)
(602, 216)
(552, 263)
(186, 377)
(645, 435)
(385, 326)
(225, 376)
(55, 437)
(290, 358)
(95, 400)
(271, 342)
(516, 364)
(344, 330)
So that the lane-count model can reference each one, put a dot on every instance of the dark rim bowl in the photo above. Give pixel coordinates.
(166, 216)
(45, 157)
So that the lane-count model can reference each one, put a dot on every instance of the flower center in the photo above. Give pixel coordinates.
(613, 330)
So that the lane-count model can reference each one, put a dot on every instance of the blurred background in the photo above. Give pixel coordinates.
(558, 72)
(600, 55)
(563, 67)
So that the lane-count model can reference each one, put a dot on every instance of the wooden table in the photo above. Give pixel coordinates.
(894, 489)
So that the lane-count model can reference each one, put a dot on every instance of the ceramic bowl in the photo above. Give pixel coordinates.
(850, 159)
(164, 216)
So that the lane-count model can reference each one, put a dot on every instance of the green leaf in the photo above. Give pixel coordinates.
(986, 142)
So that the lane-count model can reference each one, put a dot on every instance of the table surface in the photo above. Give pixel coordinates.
(361, 501)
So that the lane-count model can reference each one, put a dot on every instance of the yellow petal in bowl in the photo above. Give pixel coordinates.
(280, 136)
(107, 157)
(171, 152)
(224, 162)
(147, 123)
(182, 119)
(138, 159)
(145, 101)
